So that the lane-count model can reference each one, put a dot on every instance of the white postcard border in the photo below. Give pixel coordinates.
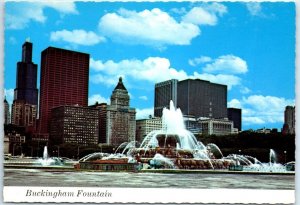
(141, 195)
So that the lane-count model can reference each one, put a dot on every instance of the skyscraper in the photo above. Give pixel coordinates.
(74, 124)
(235, 115)
(102, 120)
(289, 119)
(197, 97)
(25, 102)
(23, 114)
(6, 112)
(120, 117)
(26, 77)
(164, 92)
(64, 81)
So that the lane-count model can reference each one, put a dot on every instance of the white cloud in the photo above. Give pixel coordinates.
(259, 109)
(144, 113)
(147, 27)
(104, 79)
(229, 64)
(234, 103)
(19, 14)
(223, 70)
(96, 64)
(253, 120)
(9, 94)
(205, 15)
(64, 7)
(244, 90)
(200, 16)
(80, 37)
(98, 98)
(152, 69)
(200, 60)
(143, 97)
(254, 8)
(216, 8)
(267, 103)
(180, 11)
(229, 80)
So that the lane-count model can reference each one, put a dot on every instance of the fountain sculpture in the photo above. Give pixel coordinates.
(174, 147)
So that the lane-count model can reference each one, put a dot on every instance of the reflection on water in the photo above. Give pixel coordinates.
(36, 177)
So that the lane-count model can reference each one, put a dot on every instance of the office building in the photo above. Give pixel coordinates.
(102, 109)
(120, 122)
(24, 107)
(164, 92)
(75, 125)
(23, 114)
(191, 124)
(26, 78)
(289, 120)
(6, 112)
(195, 97)
(145, 126)
(235, 115)
(202, 98)
(216, 126)
(64, 81)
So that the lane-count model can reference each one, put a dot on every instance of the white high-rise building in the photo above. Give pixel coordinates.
(289, 119)
(120, 124)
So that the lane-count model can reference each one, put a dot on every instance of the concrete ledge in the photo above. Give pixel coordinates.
(164, 171)
(211, 171)
(64, 168)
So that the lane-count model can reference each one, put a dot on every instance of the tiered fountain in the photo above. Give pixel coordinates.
(174, 147)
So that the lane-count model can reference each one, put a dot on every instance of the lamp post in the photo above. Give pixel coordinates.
(284, 156)
(240, 152)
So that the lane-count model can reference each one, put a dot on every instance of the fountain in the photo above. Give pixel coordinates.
(174, 147)
(44, 162)
(47, 161)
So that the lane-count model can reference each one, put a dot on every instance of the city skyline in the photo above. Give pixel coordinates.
(250, 47)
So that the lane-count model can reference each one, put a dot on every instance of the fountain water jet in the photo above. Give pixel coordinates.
(47, 161)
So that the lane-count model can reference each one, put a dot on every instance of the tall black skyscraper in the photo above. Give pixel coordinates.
(164, 92)
(26, 77)
(195, 97)
(202, 98)
(235, 115)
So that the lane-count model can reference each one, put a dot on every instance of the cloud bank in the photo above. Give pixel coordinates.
(260, 110)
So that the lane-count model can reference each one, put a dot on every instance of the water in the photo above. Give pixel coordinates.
(160, 160)
(39, 177)
(272, 156)
(172, 126)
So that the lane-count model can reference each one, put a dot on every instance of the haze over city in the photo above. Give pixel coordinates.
(250, 47)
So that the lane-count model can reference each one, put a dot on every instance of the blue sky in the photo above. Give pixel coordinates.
(250, 47)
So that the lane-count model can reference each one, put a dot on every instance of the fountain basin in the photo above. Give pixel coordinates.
(121, 164)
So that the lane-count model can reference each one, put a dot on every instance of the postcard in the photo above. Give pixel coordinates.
(149, 102)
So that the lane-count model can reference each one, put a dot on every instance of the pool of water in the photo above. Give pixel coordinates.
(41, 177)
